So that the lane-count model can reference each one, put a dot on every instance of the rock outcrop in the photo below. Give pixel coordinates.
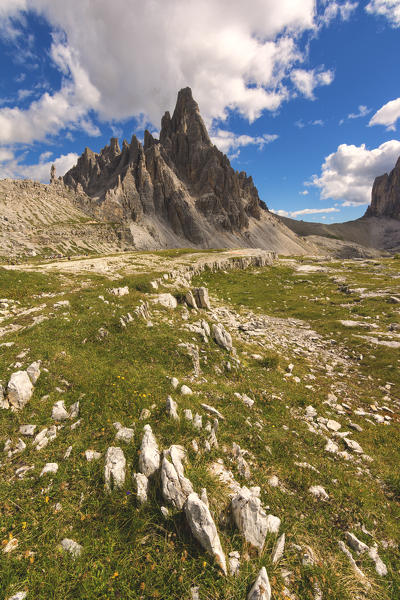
(176, 190)
(385, 199)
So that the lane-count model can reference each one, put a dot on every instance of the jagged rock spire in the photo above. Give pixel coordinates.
(385, 197)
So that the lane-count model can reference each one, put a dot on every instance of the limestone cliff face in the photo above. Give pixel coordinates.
(385, 200)
(182, 179)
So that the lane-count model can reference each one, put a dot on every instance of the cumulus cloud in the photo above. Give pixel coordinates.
(363, 111)
(307, 81)
(334, 10)
(387, 115)
(229, 142)
(304, 211)
(386, 8)
(12, 168)
(348, 173)
(128, 58)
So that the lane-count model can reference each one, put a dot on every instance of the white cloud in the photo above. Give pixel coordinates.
(6, 154)
(304, 192)
(334, 10)
(362, 112)
(348, 173)
(301, 124)
(12, 168)
(233, 55)
(304, 211)
(386, 8)
(228, 142)
(387, 115)
(307, 81)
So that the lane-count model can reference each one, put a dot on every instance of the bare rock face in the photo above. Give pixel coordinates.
(182, 179)
(385, 199)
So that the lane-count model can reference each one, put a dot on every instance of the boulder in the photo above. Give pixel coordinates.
(203, 529)
(166, 300)
(201, 296)
(19, 389)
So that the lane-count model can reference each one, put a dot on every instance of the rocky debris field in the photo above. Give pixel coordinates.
(219, 427)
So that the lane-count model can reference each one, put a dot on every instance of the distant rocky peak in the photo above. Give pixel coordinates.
(385, 199)
(186, 120)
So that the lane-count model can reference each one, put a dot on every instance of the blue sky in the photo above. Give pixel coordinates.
(303, 96)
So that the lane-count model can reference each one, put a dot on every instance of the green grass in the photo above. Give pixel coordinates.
(131, 552)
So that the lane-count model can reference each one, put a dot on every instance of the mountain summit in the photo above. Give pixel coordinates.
(178, 190)
(385, 198)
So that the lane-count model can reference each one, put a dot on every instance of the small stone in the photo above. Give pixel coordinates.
(72, 547)
(125, 434)
(319, 492)
(198, 421)
(34, 371)
(311, 412)
(333, 425)
(114, 469)
(10, 546)
(212, 411)
(174, 382)
(355, 544)
(380, 566)
(273, 481)
(142, 487)
(331, 447)
(234, 563)
(18, 596)
(73, 410)
(278, 549)
(195, 446)
(27, 430)
(120, 291)
(76, 424)
(164, 511)
(92, 455)
(353, 445)
(171, 407)
(187, 413)
(68, 452)
(186, 391)
(49, 468)
(273, 524)
(59, 412)
(145, 414)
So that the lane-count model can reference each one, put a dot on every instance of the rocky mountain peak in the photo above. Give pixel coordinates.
(385, 199)
(182, 180)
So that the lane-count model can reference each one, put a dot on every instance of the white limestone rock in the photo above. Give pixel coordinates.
(19, 389)
(59, 412)
(351, 559)
(166, 300)
(250, 517)
(234, 563)
(91, 455)
(380, 566)
(49, 468)
(333, 425)
(190, 300)
(212, 411)
(261, 589)
(120, 291)
(353, 445)
(278, 549)
(114, 469)
(73, 412)
(201, 297)
(72, 547)
(149, 459)
(198, 421)
(319, 492)
(273, 524)
(172, 408)
(174, 382)
(142, 487)
(186, 391)
(355, 544)
(125, 434)
(28, 430)
(10, 546)
(34, 371)
(221, 336)
(203, 528)
(18, 596)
